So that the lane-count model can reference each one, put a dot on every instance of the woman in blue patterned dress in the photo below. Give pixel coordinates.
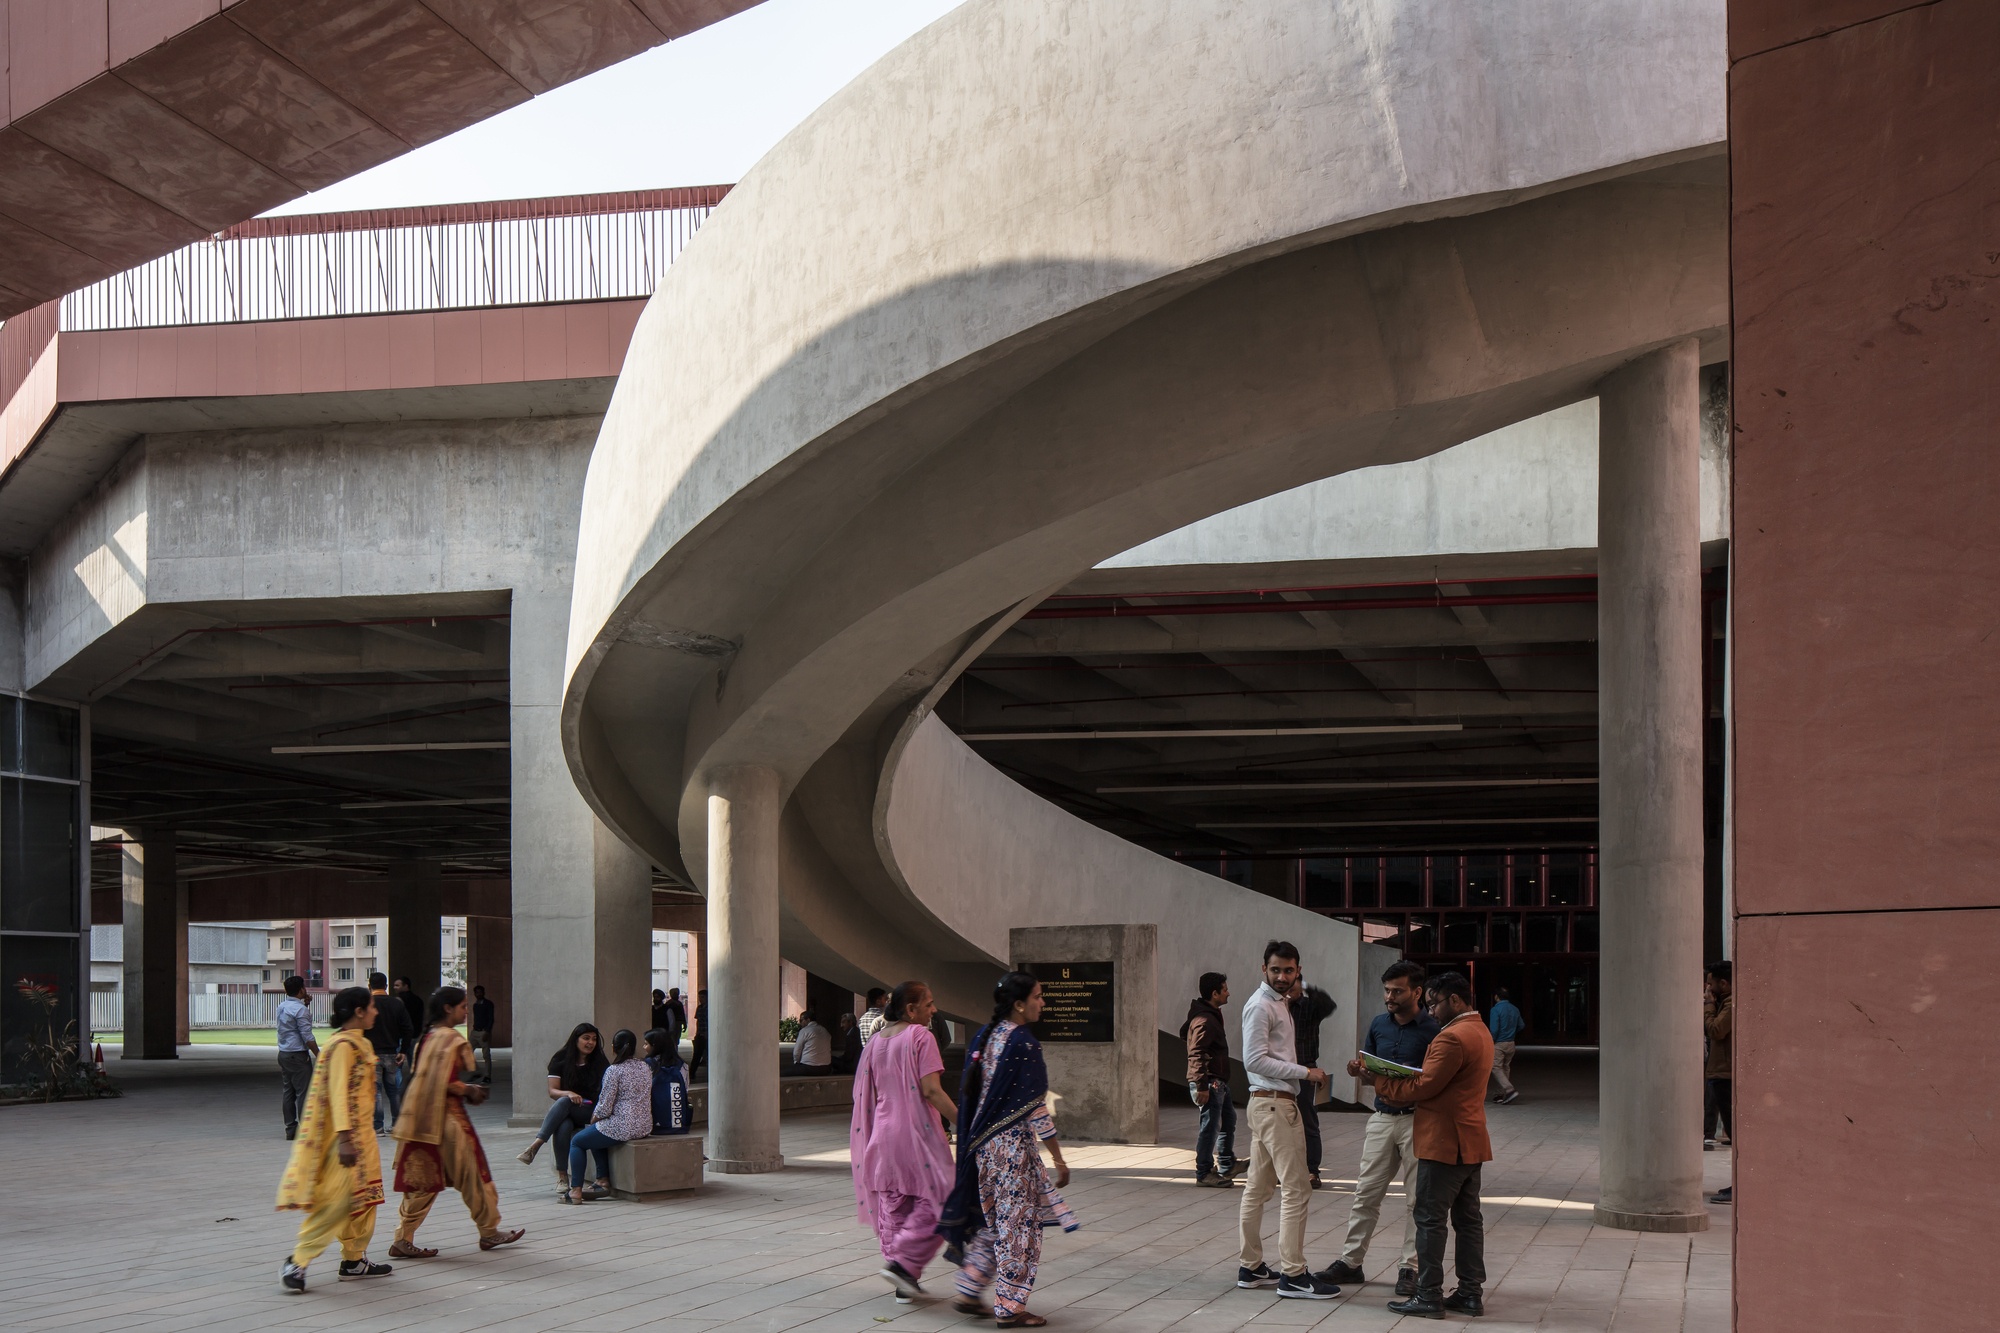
(992, 1223)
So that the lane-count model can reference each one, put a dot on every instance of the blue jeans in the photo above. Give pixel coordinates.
(1215, 1144)
(599, 1145)
(388, 1090)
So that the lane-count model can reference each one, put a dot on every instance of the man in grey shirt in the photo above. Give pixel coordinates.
(296, 1051)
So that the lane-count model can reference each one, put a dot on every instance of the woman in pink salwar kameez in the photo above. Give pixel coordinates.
(902, 1159)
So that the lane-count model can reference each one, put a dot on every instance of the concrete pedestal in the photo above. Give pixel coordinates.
(652, 1168)
(1103, 1092)
(1650, 877)
(743, 967)
(156, 933)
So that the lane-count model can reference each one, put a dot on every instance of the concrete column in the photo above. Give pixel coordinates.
(155, 928)
(1650, 757)
(489, 962)
(582, 900)
(743, 995)
(415, 911)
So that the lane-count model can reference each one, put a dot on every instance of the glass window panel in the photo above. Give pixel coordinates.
(1236, 869)
(1576, 1006)
(1527, 881)
(1565, 879)
(48, 740)
(44, 962)
(1363, 875)
(1485, 882)
(1503, 932)
(1386, 931)
(1403, 882)
(1423, 936)
(1325, 882)
(1546, 931)
(38, 867)
(1444, 881)
(1211, 864)
(10, 733)
(1464, 932)
(1546, 992)
(1584, 940)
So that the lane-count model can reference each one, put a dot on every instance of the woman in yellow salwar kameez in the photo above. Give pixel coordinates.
(335, 1174)
(436, 1148)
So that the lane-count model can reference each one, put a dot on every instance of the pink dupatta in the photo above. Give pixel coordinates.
(897, 1139)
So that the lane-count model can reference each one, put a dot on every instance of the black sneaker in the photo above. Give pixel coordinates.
(1260, 1276)
(292, 1278)
(1341, 1273)
(1406, 1282)
(1465, 1301)
(1727, 1195)
(1306, 1287)
(899, 1277)
(352, 1270)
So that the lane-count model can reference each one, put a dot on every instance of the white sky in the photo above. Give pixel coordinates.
(698, 111)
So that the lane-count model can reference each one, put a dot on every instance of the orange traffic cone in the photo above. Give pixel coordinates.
(97, 1054)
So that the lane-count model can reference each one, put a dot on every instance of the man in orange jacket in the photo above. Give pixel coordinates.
(1451, 1142)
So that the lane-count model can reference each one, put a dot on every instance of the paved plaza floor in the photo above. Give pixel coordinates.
(154, 1212)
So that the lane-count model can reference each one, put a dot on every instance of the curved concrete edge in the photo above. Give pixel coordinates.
(1671, 1223)
(984, 854)
(1380, 114)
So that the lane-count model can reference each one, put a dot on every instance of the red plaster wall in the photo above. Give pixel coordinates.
(1865, 273)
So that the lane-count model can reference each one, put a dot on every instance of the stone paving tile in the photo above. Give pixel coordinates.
(176, 1233)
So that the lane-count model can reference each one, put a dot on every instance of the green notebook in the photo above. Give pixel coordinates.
(1375, 1064)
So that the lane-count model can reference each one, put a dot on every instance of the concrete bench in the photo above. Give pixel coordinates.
(654, 1167)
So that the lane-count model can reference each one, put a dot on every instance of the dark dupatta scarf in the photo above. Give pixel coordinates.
(1014, 1088)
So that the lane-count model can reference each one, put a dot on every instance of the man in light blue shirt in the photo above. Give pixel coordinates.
(296, 1051)
(1505, 1022)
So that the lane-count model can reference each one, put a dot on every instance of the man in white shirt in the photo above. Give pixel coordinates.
(1277, 1134)
(812, 1052)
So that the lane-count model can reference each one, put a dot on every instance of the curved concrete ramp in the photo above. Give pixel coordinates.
(1048, 282)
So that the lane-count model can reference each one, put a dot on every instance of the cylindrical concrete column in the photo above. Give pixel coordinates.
(415, 913)
(742, 1026)
(155, 938)
(1649, 789)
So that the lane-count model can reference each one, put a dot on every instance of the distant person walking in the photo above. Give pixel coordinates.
(812, 1051)
(437, 1148)
(873, 1016)
(1718, 1021)
(1001, 1198)
(1310, 1007)
(296, 1051)
(1206, 1035)
(672, 1112)
(334, 1176)
(624, 1112)
(698, 1055)
(1450, 1131)
(392, 1038)
(482, 1027)
(413, 1005)
(677, 1007)
(1277, 1135)
(662, 1016)
(1401, 1033)
(576, 1074)
(848, 1056)
(897, 1138)
(1503, 1020)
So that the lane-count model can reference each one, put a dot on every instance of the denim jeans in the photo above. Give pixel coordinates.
(1215, 1142)
(295, 1070)
(565, 1118)
(388, 1090)
(598, 1144)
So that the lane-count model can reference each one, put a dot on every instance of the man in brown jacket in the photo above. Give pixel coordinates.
(1450, 1133)
(1207, 1039)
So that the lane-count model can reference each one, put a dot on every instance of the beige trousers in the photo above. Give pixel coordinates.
(1503, 1061)
(1277, 1161)
(1389, 1147)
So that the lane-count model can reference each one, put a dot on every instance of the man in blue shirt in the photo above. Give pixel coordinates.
(296, 1050)
(1389, 1149)
(1505, 1022)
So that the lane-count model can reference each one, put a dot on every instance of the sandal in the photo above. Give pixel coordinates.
(972, 1307)
(564, 1196)
(496, 1240)
(402, 1249)
(1022, 1320)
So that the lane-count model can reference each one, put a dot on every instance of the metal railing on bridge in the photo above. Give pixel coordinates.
(448, 257)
